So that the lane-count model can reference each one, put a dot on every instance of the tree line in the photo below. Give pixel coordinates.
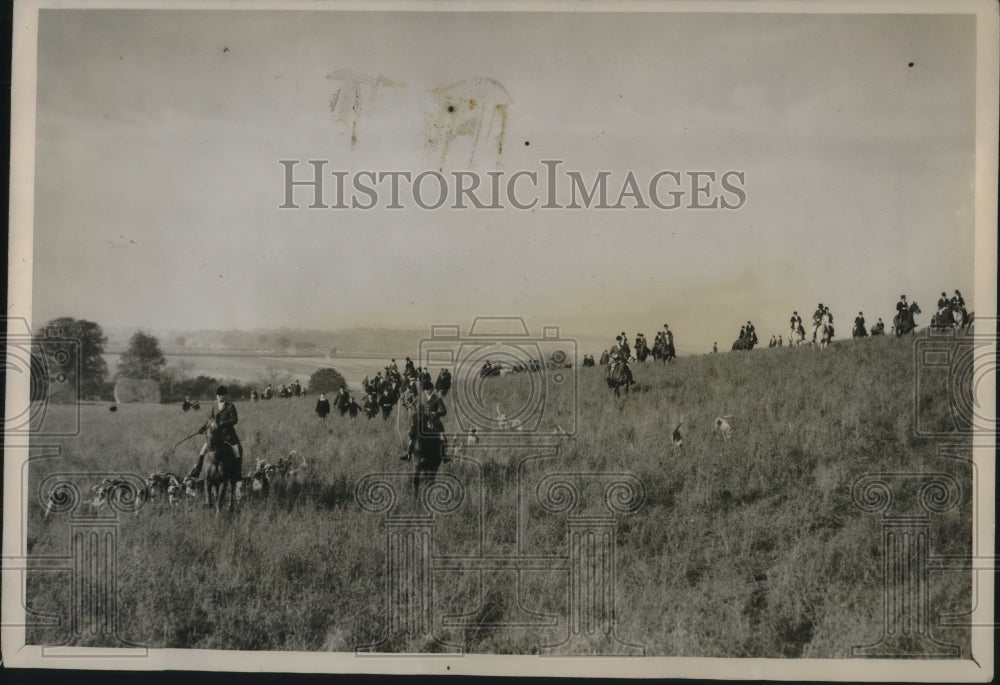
(68, 364)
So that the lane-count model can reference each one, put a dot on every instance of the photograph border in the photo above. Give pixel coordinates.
(16, 496)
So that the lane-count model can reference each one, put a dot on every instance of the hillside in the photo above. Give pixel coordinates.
(751, 546)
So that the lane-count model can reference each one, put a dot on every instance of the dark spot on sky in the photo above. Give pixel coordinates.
(225, 48)
(451, 108)
(527, 142)
(910, 64)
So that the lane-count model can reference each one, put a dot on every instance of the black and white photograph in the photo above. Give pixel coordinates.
(651, 339)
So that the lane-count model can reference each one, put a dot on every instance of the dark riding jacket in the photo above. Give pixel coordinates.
(226, 418)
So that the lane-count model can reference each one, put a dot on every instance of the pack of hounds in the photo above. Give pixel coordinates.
(167, 488)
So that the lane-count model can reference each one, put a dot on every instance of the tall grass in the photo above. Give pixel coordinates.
(745, 547)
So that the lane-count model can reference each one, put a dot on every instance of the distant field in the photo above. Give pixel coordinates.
(249, 369)
(751, 547)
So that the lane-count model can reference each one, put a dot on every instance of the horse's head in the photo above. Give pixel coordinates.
(914, 309)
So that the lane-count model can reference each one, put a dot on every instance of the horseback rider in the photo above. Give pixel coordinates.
(751, 333)
(426, 420)
(880, 326)
(859, 321)
(958, 304)
(943, 303)
(669, 335)
(902, 307)
(640, 342)
(626, 350)
(225, 418)
(818, 319)
(795, 323)
(818, 314)
(620, 356)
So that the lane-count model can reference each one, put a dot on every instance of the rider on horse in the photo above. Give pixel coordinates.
(943, 304)
(426, 420)
(958, 305)
(902, 306)
(819, 315)
(625, 349)
(620, 355)
(224, 419)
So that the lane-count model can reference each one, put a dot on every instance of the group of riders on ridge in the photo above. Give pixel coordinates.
(950, 312)
(415, 390)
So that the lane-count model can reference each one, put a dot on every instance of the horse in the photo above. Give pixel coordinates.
(489, 371)
(605, 358)
(824, 334)
(876, 331)
(223, 470)
(859, 331)
(664, 350)
(617, 378)
(796, 335)
(746, 343)
(905, 320)
(951, 317)
(967, 320)
(641, 351)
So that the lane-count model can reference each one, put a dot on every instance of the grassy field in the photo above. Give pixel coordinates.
(746, 547)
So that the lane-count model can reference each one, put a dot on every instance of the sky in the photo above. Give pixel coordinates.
(158, 182)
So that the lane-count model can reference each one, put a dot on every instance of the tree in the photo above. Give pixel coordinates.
(180, 341)
(284, 343)
(73, 350)
(326, 380)
(143, 358)
(273, 377)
